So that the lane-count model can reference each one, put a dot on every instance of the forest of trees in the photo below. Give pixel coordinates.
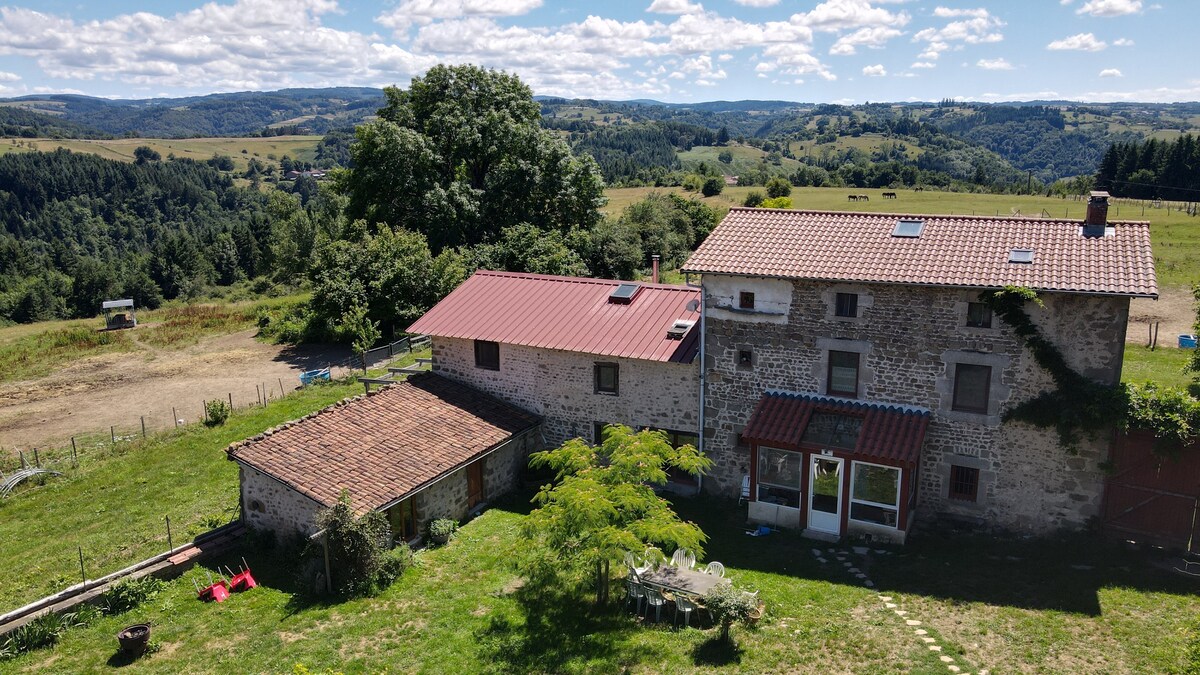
(1152, 169)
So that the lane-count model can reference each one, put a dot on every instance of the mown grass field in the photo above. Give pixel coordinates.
(1164, 366)
(1175, 235)
(1007, 606)
(114, 504)
(297, 147)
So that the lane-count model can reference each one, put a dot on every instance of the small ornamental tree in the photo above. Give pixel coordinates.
(357, 546)
(603, 503)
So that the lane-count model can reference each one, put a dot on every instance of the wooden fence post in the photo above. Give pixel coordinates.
(281, 394)
(170, 544)
(175, 416)
(143, 426)
(82, 573)
(112, 434)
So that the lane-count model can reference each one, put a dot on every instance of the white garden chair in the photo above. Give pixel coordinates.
(635, 593)
(686, 606)
(683, 559)
(716, 569)
(656, 600)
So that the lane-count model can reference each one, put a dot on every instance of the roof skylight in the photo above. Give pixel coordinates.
(623, 294)
(908, 228)
(1021, 255)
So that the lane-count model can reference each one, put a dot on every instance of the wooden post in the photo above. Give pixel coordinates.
(281, 394)
(37, 461)
(170, 543)
(257, 395)
(230, 401)
(82, 573)
(328, 577)
(74, 453)
(175, 417)
(112, 434)
(143, 426)
(22, 453)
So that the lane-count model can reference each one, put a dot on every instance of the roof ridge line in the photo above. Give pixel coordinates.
(598, 281)
(888, 214)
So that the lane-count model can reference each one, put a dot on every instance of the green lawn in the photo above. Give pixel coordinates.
(1176, 236)
(114, 504)
(1070, 605)
(1162, 365)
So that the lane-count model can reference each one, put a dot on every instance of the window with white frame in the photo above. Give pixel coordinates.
(875, 494)
(779, 475)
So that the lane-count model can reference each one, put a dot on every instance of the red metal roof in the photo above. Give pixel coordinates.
(384, 445)
(950, 251)
(567, 313)
(889, 432)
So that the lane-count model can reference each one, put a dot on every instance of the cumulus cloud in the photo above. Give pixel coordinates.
(975, 26)
(874, 37)
(946, 13)
(994, 64)
(876, 70)
(422, 12)
(8, 77)
(1085, 42)
(674, 7)
(1110, 72)
(1110, 8)
(838, 15)
(1122, 42)
(757, 3)
(923, 64)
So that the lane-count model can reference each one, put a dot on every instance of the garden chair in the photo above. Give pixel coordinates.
(686, 606)
(745, 496)
(636, 593)
(716, 569)
(683, 559)
(652, 558)
(656, 600)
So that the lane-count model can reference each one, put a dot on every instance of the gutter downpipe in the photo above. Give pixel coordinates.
(703, 338)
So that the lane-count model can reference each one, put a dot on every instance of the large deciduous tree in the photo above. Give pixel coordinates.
(460, 156)
(603, 503)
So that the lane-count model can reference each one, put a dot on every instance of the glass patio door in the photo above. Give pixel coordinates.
(825, 494)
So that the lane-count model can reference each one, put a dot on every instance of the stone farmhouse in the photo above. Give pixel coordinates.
(839, 368)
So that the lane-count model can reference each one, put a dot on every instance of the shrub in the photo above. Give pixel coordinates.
(729, 606)
(777, 203)
(778, 187)
(441, 529)
(393, 565)
(755, 198)
(129, 593)
(712, 186)
(356, 546)
(216, 412)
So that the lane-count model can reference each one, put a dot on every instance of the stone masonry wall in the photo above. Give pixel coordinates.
(448, 497)
(908, 339)
(559, 386)
(268, 504)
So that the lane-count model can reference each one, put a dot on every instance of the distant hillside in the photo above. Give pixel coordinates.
(18, 122)
(288, 111)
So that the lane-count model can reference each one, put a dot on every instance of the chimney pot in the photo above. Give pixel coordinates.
(1097, 213)
(654, 272)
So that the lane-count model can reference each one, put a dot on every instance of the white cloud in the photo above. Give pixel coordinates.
(1110, 8)
(837, 15)
(1111, 72)
(947, 13)
(757, 3)
(874, 37)
(923, 64)
(674, 7)
(422, 12)
(1122, 42)
(8, 77)
(1085, 42)
(795, 59)
(977, 27)
(876, 70)
(994, 64)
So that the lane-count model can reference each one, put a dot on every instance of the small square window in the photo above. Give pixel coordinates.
(846, 305)
(908, 228)
(964, 483)
(1021, 255)
(607, 378)
(843, 374)
(745, 358)
(979, 315)
(487, 355)
(971, 385)
(745, 300)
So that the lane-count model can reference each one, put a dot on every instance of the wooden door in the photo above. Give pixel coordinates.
(474, 484)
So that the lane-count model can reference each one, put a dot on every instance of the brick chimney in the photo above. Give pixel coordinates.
(654, 273)
(1097, 214)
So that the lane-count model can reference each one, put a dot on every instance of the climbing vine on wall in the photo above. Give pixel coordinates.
(1078, 405)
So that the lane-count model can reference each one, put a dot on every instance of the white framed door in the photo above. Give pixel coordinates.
(825, 493)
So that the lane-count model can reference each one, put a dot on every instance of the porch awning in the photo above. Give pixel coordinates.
(887, 432)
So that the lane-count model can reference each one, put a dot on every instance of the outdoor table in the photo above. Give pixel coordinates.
(681, 581)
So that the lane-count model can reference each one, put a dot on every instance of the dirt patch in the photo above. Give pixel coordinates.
(1174, 311)
(118, 390)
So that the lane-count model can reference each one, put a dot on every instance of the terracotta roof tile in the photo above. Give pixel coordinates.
(951, 251)
(383, 445)
(567, 313)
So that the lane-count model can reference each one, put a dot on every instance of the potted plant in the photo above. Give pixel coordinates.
(729, 606)
(133, 639)
(441, 529)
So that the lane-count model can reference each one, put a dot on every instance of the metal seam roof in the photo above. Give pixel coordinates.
(567, 313)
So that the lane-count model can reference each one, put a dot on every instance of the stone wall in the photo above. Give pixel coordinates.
(559, 386)
(447, 498)
(268, 504)
(909, 338)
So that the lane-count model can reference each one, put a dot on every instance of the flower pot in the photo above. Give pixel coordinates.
(757, 613)
(133, 639)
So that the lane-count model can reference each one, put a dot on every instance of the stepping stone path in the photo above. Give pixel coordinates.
(841, 556)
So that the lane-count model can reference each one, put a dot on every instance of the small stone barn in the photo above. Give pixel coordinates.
(417, 450)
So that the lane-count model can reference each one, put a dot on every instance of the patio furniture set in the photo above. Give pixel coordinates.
(655, 582)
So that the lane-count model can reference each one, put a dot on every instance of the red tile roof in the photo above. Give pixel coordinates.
(567, 313)
(890, 433)
(951, 251)
(383, 445)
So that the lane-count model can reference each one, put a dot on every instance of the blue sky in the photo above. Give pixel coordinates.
(671, 50)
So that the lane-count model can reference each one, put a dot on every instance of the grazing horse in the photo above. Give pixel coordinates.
(889, 195)
(851, 198)
(864, 198)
